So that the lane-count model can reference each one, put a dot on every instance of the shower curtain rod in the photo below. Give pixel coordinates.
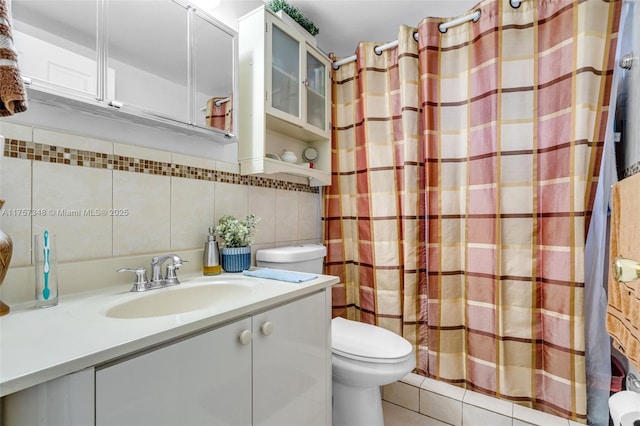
(474, 16)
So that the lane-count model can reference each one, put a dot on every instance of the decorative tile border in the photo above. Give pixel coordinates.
(25, 150)
(632, 169)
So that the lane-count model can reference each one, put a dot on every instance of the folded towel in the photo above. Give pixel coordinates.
(13, 98)
(280, 275)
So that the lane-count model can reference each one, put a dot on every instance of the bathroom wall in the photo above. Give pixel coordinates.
(630, 98)
(113, 204)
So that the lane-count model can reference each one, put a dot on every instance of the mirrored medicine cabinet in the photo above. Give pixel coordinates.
(161, 63)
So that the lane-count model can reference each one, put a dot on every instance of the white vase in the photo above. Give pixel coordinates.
(289, 156)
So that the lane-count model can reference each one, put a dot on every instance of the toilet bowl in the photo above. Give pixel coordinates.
(364, 357)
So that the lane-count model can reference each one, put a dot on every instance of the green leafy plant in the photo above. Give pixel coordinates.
(295, 13)
(235, 232)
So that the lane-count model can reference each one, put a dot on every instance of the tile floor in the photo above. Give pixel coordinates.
(418, 401)
(395, 415)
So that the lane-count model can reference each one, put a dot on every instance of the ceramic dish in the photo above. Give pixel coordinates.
(273, 156)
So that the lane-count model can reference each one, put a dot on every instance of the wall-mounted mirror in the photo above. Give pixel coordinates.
(159, 58)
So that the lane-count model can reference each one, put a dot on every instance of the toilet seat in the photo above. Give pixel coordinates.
(368, 343)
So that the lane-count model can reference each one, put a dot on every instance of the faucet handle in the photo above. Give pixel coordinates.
(141, 283)
(170, 274)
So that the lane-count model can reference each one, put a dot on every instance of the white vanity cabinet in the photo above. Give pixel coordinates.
(65, 401)
(204, 379)
(273, 368)
(285, 100)
(292, 363)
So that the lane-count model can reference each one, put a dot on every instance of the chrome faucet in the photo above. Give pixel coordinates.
(157, 280)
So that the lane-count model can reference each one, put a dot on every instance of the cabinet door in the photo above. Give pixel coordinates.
(56, 56)
(213, 64)
(65, 401)
(284, 54)
(292, 364)
(202, 380)
(316, 83)
(148, 49)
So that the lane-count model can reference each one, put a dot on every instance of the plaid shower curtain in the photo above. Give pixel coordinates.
(374, 209)
(464, 173)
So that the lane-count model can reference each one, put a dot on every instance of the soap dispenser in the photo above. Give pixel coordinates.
(211, 259)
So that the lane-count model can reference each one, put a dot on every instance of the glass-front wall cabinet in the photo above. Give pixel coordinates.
(285, 73)
(148, 50)
(285, 99)
(54, 52)
(316, 95)
(298, 76)
(165, 61)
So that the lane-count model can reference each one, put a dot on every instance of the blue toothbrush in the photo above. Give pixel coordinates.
(46, 251)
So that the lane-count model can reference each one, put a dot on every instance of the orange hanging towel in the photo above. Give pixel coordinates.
(219, 113)
(623, 312)
(13, 98)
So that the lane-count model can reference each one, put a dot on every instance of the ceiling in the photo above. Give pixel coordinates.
(344, 23)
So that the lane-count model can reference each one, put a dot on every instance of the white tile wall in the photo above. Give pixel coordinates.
(262, 203)
(441, 402)
(163, 213)
(65, 196)
(15, 189)
(309, 211)
(287, 209)
(192, 212)
(147, 226)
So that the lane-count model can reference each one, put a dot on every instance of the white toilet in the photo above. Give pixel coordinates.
(364, 356)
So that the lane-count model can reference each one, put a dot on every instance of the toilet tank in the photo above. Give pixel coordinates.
(300, 258)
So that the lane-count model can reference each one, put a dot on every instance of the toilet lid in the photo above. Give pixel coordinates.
(357, 340)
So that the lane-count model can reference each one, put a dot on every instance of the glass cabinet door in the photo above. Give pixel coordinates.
(56, 44)
(213, 63)
(285, 72)
(316, 92)
(148, 49)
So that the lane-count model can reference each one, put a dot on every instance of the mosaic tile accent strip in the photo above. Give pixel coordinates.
(632, 169)
(25, 150)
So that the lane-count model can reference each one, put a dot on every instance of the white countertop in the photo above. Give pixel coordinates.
(37, 345)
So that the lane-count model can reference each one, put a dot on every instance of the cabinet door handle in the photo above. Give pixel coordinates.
(267, 328)
(245, 337)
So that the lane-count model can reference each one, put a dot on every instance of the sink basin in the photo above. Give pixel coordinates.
(177, 300)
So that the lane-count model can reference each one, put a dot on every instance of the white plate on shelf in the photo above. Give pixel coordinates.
(273, 156)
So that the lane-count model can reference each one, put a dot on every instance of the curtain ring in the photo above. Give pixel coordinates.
(377, 51)
(515, 3)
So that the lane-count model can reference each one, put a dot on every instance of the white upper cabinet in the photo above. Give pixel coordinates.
(150, 57)
(163, 63)
(296, 80)
(284, 99)
(55, 54)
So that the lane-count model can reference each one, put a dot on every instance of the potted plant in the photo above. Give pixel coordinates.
(295, 14)
(237, 237)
